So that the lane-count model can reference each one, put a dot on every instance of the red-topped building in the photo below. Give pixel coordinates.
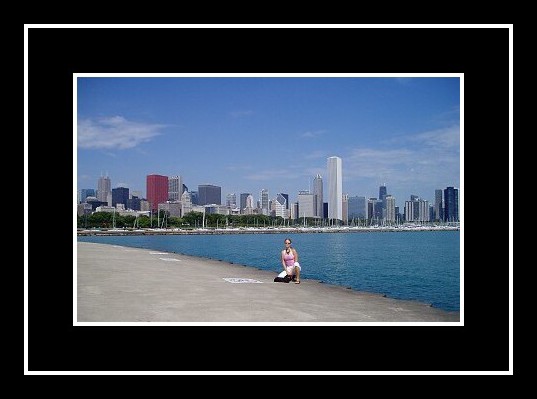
(157, 190)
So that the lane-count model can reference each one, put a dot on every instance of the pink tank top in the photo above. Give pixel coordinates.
(289, 259)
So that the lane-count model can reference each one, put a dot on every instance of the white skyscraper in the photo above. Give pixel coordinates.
(335, 188)
(175, 188)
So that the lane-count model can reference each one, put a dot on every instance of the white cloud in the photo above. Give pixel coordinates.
(440, 139)
(114, 132)
(424, 157)
(447, 138)
(372, 163)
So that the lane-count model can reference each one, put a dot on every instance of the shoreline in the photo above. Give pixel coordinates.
(126, 284)
(260, 230)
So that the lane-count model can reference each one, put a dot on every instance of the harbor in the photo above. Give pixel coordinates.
(266, 230)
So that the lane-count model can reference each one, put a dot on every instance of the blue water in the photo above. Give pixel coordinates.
(422, 266)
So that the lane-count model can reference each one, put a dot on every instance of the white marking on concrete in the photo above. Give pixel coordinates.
(236, 280)
(170, 259)
(158, 253)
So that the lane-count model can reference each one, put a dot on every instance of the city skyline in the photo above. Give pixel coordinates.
(246, 134)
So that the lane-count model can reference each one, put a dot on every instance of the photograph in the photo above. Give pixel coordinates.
(358, 174)
(339, 193)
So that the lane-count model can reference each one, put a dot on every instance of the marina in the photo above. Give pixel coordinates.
(266, 230)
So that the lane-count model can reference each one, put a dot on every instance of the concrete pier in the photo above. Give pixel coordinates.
(123, 284)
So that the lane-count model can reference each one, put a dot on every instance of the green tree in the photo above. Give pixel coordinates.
(194, 219)
(101, 220)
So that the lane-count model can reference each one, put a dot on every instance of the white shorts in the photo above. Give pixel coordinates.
(291, 269)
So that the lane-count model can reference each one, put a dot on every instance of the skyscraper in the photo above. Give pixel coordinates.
(85, 193)
(280, 206)
(120, 195)
(250, 202)
(264, 197)
(345, 208)
(382, 196)
(175, 188)
(231, 200)
(318, 196)
(286, 196)
(242, 199)
(209, 194)
(335, 188)
(104, 188)
(306, 204)
(438, 209)
(382, 192)
(389, 205)
(451, 204)
(186, 203)
(157, 190)
(357, 208)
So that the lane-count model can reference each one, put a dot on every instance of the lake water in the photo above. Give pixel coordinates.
(421, 265)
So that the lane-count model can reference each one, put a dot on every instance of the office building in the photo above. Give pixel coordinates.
(280, 206)
(242, 199)
(345, 208)
(264, 201)
(438, 208)
(306, 206)
(335, 188)
(175, 188)
(318, 196)
(231, 200)
(357, 208)
(104, 188)
(389, 209)
(451, 204)
(186, 203)
(120, 195)
(156, 190)
(286, 196)
(209, 194)
(85, 193)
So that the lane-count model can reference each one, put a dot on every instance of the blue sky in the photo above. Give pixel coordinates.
(249, 133)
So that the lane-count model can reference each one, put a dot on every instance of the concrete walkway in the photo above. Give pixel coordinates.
(122, 284)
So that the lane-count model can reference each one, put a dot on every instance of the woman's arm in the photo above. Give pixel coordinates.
(283, 261)
(296, 255)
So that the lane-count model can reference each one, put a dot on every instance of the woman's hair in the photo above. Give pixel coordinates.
(288, 239)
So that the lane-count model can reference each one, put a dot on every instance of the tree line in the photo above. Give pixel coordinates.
(107, 220)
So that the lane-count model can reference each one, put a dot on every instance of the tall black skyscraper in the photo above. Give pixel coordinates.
(382, 198)
(382, 192)
(451, 204)
(120, 195)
